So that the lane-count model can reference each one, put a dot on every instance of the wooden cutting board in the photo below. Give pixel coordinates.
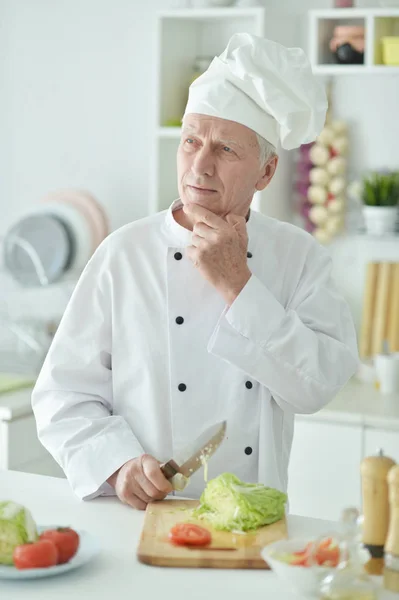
(234, 551)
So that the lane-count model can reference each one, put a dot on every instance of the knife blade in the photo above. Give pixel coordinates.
(191, 458)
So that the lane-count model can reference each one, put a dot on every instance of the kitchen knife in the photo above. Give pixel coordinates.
(192, 457)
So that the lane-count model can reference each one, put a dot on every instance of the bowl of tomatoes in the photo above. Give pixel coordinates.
(303, 563)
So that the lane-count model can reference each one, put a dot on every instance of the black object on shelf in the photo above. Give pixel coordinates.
(347, 55)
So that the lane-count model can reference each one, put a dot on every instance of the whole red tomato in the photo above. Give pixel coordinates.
(65, 539)
(35, 555)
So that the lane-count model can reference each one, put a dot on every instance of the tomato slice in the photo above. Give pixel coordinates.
(328, 555)
(300, 560)
(306, 550)
(325, 543)
(189, 534)
(325, 553)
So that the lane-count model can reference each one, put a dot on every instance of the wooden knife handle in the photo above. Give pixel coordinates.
(169, 469)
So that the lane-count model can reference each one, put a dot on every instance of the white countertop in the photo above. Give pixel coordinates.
(116, 573)
(357, 402)
(15, 404)
(361, 403)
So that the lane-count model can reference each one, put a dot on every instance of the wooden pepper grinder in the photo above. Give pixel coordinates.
(374, 471)
(391, 559)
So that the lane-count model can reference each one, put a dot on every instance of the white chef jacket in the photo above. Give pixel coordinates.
(124, 375)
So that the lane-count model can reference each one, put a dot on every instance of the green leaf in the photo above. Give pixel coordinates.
(381, 189)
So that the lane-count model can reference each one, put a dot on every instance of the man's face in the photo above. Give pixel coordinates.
(218, 165)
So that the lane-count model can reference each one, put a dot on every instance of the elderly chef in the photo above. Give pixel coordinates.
(207, 311)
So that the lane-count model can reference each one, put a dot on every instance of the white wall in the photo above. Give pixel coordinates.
(370, 106)
(75, 79)
(74, 88)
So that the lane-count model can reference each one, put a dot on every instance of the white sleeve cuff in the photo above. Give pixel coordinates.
(255, 301)
(89, 469)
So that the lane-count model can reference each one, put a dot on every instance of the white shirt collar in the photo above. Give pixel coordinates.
(182, 235)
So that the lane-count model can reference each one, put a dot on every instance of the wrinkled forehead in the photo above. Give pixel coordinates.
(219, 128)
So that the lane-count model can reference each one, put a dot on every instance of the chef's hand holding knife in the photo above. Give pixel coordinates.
(140, 481)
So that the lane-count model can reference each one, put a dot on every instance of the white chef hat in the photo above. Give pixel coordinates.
(267, 87)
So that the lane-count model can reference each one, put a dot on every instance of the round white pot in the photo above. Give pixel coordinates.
(380, 219)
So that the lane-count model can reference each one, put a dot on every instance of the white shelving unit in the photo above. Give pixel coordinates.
(378, 22)
(181, 36)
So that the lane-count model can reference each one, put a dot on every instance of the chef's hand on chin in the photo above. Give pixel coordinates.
(219, 250)
(140, 481)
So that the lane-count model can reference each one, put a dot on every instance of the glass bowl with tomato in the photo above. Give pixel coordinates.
(303, 563)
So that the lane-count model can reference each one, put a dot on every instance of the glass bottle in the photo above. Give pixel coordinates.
(350, 580)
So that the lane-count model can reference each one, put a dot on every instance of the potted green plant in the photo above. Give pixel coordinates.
(380, 197)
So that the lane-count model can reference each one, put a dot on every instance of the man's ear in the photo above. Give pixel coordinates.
(267, 174)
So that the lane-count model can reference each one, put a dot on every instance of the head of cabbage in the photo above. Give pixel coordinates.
(231, 505)
(16, 527)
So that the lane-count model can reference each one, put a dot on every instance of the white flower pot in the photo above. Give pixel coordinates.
(380, 220)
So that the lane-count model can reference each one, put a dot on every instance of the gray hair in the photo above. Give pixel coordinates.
(266, 150)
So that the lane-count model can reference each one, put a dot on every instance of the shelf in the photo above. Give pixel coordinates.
(355, 70)
(354, 13)
(211, 13)
(377, 23)
(387, 237)
(201, 34)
